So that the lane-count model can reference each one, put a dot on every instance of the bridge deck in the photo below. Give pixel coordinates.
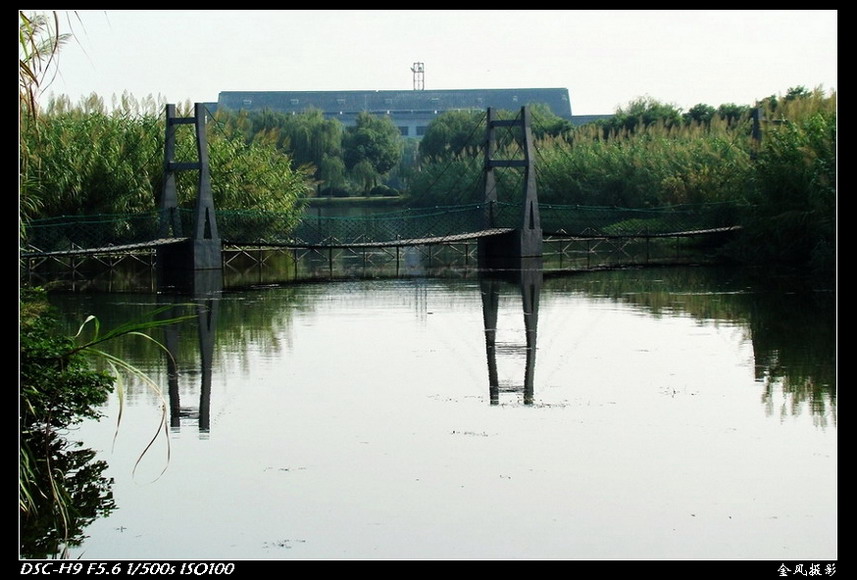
(332, 244)
(151, 245)
(595, 235)
(335, 244)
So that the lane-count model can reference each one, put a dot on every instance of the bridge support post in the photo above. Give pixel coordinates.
(198, 260)
(508, 250)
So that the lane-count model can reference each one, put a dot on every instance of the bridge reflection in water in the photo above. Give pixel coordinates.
(529, 278)
(206, 302)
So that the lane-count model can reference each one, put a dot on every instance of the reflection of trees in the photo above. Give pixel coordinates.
(49, 527)
(259, 322)
(664, 290)
(794, 341)
(792, 330)
(792, 326)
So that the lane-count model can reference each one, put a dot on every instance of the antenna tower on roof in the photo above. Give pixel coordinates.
(419, 71)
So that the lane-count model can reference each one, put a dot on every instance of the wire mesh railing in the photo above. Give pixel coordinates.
(69, 233)
(409, 226)
(567, 220)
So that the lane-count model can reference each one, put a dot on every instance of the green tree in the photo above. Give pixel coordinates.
(315, 141)
(641, 113)
(701, 114)
(371, 149)
(247, 176)
(774, 102)
(546, 124)
(453, 133)
(456, 181)
(732, 113)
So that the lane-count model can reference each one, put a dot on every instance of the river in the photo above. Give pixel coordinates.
(643, 413)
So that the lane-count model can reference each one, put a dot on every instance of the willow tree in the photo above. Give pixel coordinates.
(314, 141)
(371, 149)
(453, 133)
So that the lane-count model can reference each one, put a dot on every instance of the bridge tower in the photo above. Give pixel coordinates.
(201, 252)
(513, 249)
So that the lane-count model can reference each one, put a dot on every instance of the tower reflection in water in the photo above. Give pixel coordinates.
(205, 289)
(529, 279)
(207, 300)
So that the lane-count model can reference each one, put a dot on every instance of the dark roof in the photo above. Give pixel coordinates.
(578, 120)
(396, 102)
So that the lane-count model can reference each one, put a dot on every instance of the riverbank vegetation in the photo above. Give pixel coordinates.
(64, 380)
(775, 161)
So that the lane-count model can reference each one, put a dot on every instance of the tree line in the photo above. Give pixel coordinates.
(775, 159)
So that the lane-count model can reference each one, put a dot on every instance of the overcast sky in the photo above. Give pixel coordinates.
(605, 58)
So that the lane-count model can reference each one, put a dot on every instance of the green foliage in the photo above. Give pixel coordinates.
(793, 221)
(83, 161)
(79, 163)
(372, 148)
(68, 493)
(58, 388)
(39, 41)
(700, 114)
(313, 143)
(642, 113)
(459, 180)
(654, 167)
(780, 186)
(774, 103)
(453, 133)
(546, 124)
(253, 176)
(733, 114)
(60, 488)
(339, 160)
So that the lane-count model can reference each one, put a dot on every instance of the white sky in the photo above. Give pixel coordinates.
(605, 58)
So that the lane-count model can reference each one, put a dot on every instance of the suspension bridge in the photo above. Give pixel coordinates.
(117, 233)
(504, 231)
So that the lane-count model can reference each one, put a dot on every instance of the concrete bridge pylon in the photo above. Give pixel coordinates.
(201, 254)
(519, 247)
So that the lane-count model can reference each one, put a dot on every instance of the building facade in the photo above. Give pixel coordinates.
(411, 111)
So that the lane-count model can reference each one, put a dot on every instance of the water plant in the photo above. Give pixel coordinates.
(60, 487)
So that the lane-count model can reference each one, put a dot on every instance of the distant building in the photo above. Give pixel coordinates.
(578, 120)
(410, 110)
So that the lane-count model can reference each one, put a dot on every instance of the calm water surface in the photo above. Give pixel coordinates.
(654, 414)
